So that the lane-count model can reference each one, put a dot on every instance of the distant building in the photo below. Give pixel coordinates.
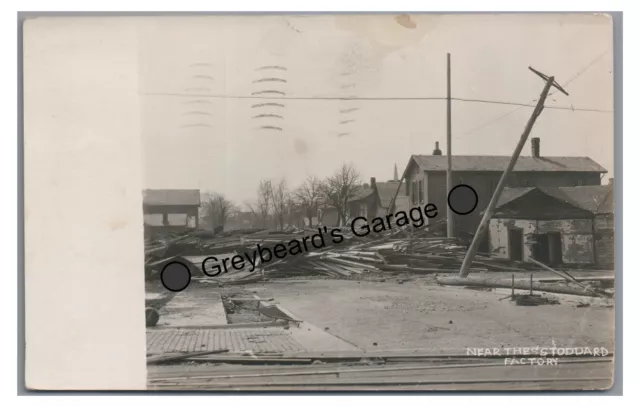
(241, 220)
(171, 208)
(386, 192)
(554, 225)
(426, 182)
(370, 200)
(362, 203)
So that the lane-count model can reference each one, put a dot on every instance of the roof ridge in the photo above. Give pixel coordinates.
(566, 190)
(495, 163)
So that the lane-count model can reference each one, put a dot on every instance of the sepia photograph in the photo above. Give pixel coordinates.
(378, 202)
(355, 202)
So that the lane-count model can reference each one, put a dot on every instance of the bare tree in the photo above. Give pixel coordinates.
(307, 196)
(279, 196)
(261, 208)
(339, 188)
(217, 209)
(293, 211)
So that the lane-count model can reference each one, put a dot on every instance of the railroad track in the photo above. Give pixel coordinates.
(569, 374)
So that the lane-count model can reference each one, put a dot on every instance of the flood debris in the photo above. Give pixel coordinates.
(533, 300)
(403, 250)
(522, 285)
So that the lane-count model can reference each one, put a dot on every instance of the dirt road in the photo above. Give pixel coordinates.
(415, 315)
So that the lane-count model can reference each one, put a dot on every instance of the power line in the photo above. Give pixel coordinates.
(583, 70)
(498, 102)
(486, 124)
(290, 97)
(574, 77)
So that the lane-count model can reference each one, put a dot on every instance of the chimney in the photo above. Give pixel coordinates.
(437, 151)
(535, 147)
(373, 182)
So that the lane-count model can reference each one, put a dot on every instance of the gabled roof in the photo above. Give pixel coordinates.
(362, 192)
(592, 198)
(387, 190)
(509, 194)
(492, 163)
(589, 198)
(171, 197)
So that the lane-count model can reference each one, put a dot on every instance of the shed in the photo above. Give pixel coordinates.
(554, 225)
(171, 207)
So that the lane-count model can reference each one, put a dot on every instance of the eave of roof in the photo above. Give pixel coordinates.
(171, 197)
(493, 163)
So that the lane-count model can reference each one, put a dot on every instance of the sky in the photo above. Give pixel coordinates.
(198, 76)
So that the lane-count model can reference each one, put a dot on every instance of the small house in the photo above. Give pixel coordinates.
(171, 209)
(426, 179)
(554, 225)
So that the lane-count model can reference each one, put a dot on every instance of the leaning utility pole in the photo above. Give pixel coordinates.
(449, 169)
(471, 253)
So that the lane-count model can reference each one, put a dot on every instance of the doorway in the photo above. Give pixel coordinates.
(516, 244)
(541, 248)
(555, 248)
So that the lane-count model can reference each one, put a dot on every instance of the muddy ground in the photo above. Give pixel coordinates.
(418, 315)
(400, 312)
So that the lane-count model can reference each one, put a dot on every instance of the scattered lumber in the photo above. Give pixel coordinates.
(569, 277)
(520, 285)
(182, 356)
(404, 250)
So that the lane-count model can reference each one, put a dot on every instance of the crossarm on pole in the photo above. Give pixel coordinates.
(546, 77)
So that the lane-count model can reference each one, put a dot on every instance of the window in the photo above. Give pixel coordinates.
(414, 192)
(421, 192)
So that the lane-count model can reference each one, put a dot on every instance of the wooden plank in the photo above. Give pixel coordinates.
(228, 326)
(176, 358)
(520, 285)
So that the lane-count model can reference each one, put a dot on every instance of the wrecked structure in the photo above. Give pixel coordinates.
(170, 209)
(425, 177)
(554, 225)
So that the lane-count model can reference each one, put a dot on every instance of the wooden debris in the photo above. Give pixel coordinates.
(533, 300)
(520, 285)
(403, 250)
(180, 357)
(569, 277)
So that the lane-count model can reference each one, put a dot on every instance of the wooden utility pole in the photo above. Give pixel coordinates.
(449, 169)
(482, 228)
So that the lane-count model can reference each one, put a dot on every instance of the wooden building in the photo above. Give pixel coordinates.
(554, 225)
(385, 193)
(171, 209)
(370, 200)
(426, 180)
